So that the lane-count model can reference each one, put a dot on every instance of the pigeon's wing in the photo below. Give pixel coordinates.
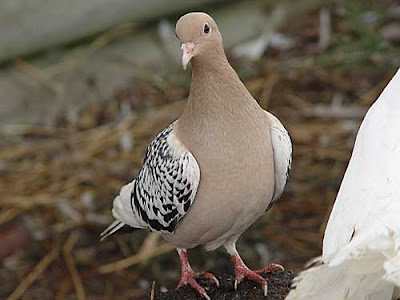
(164, 188)
(371, 183)
(167, 184)
(282, 149)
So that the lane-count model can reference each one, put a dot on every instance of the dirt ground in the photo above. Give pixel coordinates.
(278, 287)
(58, 182)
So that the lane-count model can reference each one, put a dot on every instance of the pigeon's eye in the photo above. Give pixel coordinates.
(207, 28)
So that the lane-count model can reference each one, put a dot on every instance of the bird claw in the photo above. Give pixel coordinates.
(206, 296)
(265, 289)
(189, 279)
(243, 272)
(264, 284)
(207, 275)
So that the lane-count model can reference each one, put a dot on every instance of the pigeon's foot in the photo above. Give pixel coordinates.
(188, 276)
(243, 272)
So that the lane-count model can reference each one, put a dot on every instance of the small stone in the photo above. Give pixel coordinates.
(377, 58)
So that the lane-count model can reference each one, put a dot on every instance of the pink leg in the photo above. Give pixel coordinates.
(243, 272)
(188, 275)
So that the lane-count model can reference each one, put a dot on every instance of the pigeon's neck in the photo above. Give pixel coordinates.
(217, 89)
(216, 80)
(219, 105)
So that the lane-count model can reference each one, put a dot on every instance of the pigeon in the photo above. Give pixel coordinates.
(213, 172)
(361, 248)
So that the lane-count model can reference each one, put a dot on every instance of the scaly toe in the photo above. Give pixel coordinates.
(189, 279)
(253, 276)
(270, 268)
(193, 283)
(207, 275)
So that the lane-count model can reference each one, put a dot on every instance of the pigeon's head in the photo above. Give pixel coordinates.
(199, 36)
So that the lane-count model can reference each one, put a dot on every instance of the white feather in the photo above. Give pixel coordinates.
(282, 149)
(122, 210)
(361, 249)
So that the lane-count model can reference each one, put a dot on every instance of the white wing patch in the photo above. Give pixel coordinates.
(282, 148)
(164, 188)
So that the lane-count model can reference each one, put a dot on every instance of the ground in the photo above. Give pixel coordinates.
(278, 288)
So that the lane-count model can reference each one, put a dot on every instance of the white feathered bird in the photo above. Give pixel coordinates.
(361, 249)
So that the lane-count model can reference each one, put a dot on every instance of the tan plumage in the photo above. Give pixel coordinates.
(229, 136)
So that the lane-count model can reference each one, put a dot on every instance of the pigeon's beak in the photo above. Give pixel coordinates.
(187, 53)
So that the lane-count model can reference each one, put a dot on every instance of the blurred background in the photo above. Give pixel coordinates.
(86, 84)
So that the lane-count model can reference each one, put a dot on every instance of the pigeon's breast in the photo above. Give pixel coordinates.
(236, 182)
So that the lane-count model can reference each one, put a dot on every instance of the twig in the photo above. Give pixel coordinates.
(107, 37)
(335, 112)
(39, 269)
(135, 259)
(38, 75)
(69, 260)
(266, 92)
(153, 285)
(369, 97)
(8, 215)
(324, 29)
(26, 202)
(149, 245)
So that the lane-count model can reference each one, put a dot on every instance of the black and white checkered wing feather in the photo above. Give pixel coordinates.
(166, 185)
(163, 190)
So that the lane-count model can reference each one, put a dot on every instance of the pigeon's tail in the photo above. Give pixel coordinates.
(114, 227)
(123, 213)
(367, 268)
